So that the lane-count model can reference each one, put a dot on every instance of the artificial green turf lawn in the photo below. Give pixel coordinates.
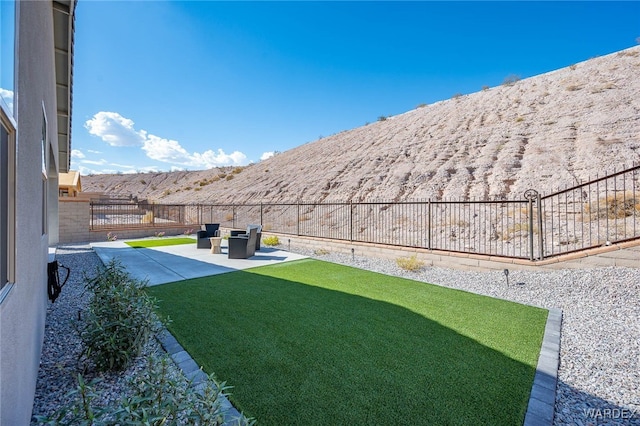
(311, 342)
(161, 242)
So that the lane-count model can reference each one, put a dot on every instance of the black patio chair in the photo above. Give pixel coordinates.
(243, 246)
(236, 232)
(208, 230)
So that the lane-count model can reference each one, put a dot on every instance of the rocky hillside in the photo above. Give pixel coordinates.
(544, 132)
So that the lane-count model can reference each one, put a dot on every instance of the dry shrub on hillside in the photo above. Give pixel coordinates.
(520, 228)
(510, 80)
(616, 206)
(148, 217)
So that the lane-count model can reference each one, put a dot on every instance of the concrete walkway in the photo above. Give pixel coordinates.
(160, 265)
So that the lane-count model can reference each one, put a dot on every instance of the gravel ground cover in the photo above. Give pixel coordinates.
(599, 376)
(59, 363)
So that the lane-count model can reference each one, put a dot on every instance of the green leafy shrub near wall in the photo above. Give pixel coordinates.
(157, 397)
(120, 318)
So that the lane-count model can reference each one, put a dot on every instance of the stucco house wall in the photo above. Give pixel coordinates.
(23, 307)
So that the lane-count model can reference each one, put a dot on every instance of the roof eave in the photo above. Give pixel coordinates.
(64, 26)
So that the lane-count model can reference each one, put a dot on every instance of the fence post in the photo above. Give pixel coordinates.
(351, 220)
(530, 195)
(540, 229)
(233, 214)
(261, 224)
(429, 224)
(298, 221)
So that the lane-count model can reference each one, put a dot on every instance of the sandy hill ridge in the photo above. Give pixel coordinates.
(544, 132)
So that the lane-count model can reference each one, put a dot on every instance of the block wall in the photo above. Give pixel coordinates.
(624, 254)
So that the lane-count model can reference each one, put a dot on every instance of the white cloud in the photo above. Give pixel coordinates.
(117, 130)
(120, 169)
(85, 171)
(123, 166)
(165, 150)
(212, 159)
(7, 96)
(93, 151)
(267, 155)
(147, 169)
(170, 151)
(114, 129)
(95, 162)
(76, 153)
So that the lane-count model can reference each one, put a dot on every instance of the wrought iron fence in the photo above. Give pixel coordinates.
(600, 212)
(110, 215)
(483, 227)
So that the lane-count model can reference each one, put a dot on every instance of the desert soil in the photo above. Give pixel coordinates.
(545, 132)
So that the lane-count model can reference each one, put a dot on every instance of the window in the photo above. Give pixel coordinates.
(7, 54)
(7, 146)
(45, 184)
(7, 201)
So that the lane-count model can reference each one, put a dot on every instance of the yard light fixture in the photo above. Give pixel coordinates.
(506, 274)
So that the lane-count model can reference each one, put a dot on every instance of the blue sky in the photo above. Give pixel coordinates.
(161, 86)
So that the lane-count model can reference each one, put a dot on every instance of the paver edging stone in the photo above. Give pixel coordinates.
(540, 410)
(183, 360)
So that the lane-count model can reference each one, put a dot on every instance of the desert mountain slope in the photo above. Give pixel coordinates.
(544, 132)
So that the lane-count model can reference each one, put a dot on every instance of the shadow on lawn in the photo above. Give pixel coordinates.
(302, 354)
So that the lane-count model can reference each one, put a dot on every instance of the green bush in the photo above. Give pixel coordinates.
(119, 319)
(157, 396)
(271, 240)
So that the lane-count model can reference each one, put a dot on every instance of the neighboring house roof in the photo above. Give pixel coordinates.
(64, 22)
(70, 180)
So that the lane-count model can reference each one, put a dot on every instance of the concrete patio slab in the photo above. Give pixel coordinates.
(165, 264)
